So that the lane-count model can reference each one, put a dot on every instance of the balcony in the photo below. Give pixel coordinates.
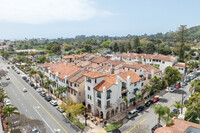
(89, 80)
(108, 106)
(99, 96)
(99, 105)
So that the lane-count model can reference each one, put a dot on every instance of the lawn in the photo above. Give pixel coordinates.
(113, 126)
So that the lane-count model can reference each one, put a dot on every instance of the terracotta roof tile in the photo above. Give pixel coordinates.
(179, 64)
(84, 63)
(79, 77)
(111, 80)
(179, 126)
(148, 68)
(113, 62)
(99, 60)
(46, 64)
(94, 74)
(94, 66)
(133, 66)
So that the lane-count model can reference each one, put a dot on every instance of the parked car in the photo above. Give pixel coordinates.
(175, 111)
(24, 90)
(7, 102)
(24, 77)
(155, 127)
(34, 130)
(53, 102)
(8, 67)
(47, 98)
(140, 109)
(185, 84)
(132, 113)
(116, 131)
(31, 84)
(177, 86)
(156, 99)
(187, 80)
(60, 109)
(148, 103)
(7, 78)
(35, 87)
(43, 94)
(27, 80)
(38, 90)
(18, 72)
(171, 88)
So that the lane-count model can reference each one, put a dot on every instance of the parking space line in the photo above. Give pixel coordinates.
(137, 125)
(48, 113)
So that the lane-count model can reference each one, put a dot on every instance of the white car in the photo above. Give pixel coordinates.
(34, 130)
(24, 90)
(7, 78)
(53, 102)
(171, 89)
(7, 102)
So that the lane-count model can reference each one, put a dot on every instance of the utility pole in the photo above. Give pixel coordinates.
(182, 102)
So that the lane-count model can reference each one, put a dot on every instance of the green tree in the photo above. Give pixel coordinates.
(136, 42)
(193, 108)
(2, 97)
(163, 113)
(195, 85)
(42, 59)
(32, 72)
(121, 48)
(60, 91)
(7, 111)
(47, 84)
(181, 37)
(177, 105)
(129, 47)
(56, 49)
(193, 65)
(155, 85)
(171, 75)
(106, 44)
(41, 75)
(87, 48)
(149, 48)
(158, 42)
(115, 47)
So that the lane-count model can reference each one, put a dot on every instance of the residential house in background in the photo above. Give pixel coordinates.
(181, 67)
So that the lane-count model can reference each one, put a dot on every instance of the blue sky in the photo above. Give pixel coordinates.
(68, 18)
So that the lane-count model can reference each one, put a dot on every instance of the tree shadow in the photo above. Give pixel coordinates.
(163, 100)
(5, 84)
(178, 91)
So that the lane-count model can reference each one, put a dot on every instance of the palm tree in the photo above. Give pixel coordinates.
(2, 97)
(139, 96)
(177, 105)
(127, 102)
(41, 75)
(167, 118)
(31, 73)
(47, 84)
(60, 91)
(7, 111)
(160, 111)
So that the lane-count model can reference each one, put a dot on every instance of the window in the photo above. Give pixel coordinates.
(95, 80)
(89, 80)
(99, 103)
(108, 94)
(108, 104)
(74, 93)
(75, 85)
(88, 96)
(163, 62)
(70, 83)
(98, 94)
(140, 70)
(135, 84)
(142, 84)
(135, 70)
(88, 88)
(79, 93)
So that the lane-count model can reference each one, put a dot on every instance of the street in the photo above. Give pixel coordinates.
(147, 118)
(34, 106)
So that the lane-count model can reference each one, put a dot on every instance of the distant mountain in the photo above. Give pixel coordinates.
(194, 33)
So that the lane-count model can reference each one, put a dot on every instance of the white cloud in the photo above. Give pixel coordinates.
(42, 11)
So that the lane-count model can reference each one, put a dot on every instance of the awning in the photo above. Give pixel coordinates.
(109, 91)
(141, 76)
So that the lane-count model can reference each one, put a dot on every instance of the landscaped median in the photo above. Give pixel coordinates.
(113, 126)
(76, 122)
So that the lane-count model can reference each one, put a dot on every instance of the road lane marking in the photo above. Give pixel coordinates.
(44, 120)
(48, 113)
(137, 125)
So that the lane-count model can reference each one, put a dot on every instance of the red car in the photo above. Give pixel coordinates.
(177, 86)
(156, 99)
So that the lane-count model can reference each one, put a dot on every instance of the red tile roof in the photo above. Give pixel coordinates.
(179, 64)
(111, 80)
(133, 66)
(99, 60)
(179, 126)
(149, 68)
(79, 77)
(94, 74)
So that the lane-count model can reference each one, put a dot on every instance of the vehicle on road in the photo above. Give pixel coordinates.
(132, 113)
(155, 127)
(175, 111)
(7, 102)
(7, 78)
(148, 103)
(8, 67)
(140, 109)
(34, 130)
(185, 84)
(53, 102)
(38, 90)
(60, 109)
(27, 80)
(47, 98)
(43, 94)
(35, 87)
(31, 84)
(171, 88)
(156, 99)
(187, 80)
(24, 90)
(177, 86)
(18, 72)
(24, 77)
